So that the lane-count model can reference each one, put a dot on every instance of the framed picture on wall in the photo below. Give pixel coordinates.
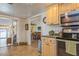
(26, 27)
(39, 28)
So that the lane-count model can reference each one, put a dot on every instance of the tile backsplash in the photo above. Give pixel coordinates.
(46, 28)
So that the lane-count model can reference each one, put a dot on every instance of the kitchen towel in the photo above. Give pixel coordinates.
(71, 47)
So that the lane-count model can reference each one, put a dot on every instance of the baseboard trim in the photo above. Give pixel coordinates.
(23, 43)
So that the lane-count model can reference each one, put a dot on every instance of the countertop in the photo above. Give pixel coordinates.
(50, 36)
(61, 39)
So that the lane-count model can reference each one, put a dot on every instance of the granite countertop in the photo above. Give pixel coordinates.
(50, 36)
(71, 39)
(61, 39)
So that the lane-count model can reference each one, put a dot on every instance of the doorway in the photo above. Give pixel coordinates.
(34, 40)
(7, 32)
(35, 31)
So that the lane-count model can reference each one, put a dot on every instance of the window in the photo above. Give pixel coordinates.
(3, 33)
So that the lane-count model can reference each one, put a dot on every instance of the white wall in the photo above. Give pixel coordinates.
(36, 20)
(46, 28)
(21, 32)
(29, 32)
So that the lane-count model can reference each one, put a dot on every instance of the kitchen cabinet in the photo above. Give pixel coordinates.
(64, 8)
(52, 14)
(54, 11)
(75, 6)
(48, 47)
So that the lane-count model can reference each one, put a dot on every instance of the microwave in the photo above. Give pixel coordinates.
(70, 17)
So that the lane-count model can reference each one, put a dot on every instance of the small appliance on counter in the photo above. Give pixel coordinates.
(54, 34)
(51, 33)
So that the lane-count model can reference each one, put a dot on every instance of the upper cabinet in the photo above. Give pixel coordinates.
(76, 5)
(54, 11)
(64, 8)
(52, 14)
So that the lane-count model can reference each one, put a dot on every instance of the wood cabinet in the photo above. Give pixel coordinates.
(54, 11)
(52, 14)
(48, 47)
(75, 6)
(64, 8)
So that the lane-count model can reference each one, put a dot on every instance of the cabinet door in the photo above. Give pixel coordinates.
(49, 15)
(52, 14)
(53, 49)
(52, 44)
(45, 50)
(49, 50)
(64, 8)
(75, 6)
(49, 47)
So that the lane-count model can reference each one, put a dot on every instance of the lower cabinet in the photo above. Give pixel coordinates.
(46, 50)
(53, 47)
(48, 47)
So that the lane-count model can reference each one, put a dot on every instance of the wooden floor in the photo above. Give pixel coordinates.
(22, 50)
(35, 43)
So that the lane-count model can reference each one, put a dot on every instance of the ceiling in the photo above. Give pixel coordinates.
(36, 20)
(22, 10)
